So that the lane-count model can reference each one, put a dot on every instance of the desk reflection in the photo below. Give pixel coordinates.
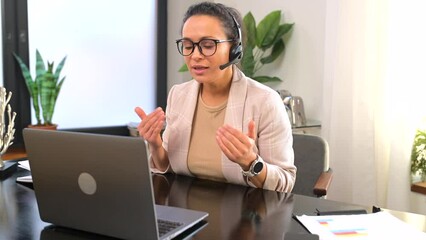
(54, 233)
(235, 212)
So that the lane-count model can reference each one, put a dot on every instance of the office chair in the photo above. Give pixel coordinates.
(311, 159)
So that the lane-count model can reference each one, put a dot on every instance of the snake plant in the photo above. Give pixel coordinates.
(45, 88)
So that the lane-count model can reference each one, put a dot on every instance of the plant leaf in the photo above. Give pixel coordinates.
(25, 72)
(31, 86)
(54, 97)
(286, 27)
(184, 68)
(282, 30)
(40, 67)
(47, 89)
(250, 29)
(264, 79)
(40, 71)
(275, 53)
(59, 69)
(247, 63)
(267, 30)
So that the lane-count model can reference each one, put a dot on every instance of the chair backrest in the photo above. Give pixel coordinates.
(311, 159)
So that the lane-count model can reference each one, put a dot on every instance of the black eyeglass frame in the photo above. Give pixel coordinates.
(216, 41)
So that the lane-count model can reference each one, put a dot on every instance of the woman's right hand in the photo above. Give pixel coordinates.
(151, 125)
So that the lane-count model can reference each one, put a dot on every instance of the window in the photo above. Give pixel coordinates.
(114, 57)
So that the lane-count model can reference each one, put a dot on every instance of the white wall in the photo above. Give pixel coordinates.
(301, 68)
(175, 11)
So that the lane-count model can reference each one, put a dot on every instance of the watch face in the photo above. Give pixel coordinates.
(257, 168)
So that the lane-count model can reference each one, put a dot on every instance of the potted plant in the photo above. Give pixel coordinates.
(44, 88)
(264, 44)
(418, 157)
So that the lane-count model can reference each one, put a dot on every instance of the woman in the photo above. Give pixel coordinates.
(221, 125)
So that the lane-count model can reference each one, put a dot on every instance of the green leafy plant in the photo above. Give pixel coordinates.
(265, 43)
(45, 88)
(418, 154)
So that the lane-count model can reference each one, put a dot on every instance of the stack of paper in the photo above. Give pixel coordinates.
(381, 225)
(25, 179)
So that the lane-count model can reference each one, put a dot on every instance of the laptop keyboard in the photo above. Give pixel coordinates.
(165, 226)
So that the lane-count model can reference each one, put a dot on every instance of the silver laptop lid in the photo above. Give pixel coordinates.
(91, 182)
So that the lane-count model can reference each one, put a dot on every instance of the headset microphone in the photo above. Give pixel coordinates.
(223, 66)
(236, 51)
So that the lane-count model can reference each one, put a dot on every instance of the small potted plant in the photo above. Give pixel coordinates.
(44, 88)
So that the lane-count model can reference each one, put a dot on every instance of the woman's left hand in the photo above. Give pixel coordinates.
(236, 145)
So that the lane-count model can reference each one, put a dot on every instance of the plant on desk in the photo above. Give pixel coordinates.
(418, 156)
(44, 89)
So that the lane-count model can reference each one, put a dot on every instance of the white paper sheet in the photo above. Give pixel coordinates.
(381, 225)
(25, 164)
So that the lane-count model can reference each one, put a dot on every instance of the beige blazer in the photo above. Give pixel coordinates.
(247, 100)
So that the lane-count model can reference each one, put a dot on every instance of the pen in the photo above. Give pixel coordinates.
(341, 212)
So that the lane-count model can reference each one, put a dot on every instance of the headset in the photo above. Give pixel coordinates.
(236, 51)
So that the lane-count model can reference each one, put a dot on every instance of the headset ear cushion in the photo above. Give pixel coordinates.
(235, 53)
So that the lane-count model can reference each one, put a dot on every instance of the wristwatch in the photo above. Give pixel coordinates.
(255, 168)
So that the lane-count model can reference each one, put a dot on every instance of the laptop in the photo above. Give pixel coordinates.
(100, 184)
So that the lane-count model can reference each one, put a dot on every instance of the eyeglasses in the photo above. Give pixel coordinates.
(207, 47)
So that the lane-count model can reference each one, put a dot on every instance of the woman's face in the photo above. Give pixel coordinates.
(206, 69)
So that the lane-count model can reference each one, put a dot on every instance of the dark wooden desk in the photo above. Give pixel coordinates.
(236, 212)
